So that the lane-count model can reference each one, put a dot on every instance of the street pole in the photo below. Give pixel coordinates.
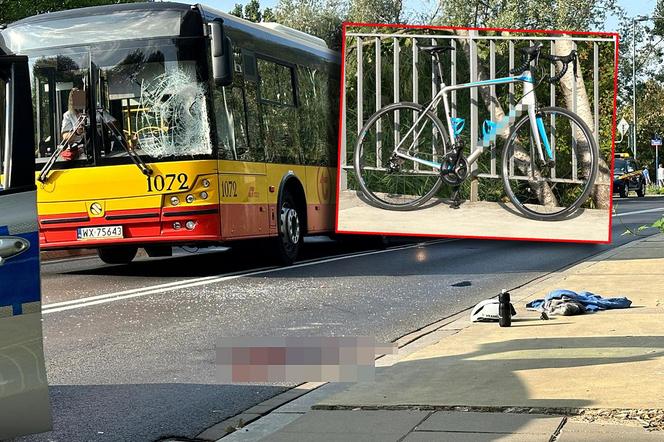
(634, 84)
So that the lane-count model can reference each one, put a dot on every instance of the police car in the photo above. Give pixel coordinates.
(24, 402)
(627, 176)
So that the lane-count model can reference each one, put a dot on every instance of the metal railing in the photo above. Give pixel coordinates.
(377, 44)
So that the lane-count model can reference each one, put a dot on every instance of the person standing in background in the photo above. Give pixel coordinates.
(646, 175)
(660, 176)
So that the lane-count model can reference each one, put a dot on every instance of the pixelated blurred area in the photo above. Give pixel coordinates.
(298, 359)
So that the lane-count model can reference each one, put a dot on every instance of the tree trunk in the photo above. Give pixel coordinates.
(540, 187)
(601, 193)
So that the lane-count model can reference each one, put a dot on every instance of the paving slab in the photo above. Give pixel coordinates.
(608, 437)
(425, 436)
(507, 423)
(471, 219)
(342, 422)
(322, 437)
(604, 428)
(261, 428)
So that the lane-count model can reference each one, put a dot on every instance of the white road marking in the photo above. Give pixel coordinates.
(189, 283)
(636, 212)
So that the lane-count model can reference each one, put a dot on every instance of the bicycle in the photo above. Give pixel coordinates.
(549, 162)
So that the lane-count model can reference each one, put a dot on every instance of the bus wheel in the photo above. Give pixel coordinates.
(290, 231)
(117, 255)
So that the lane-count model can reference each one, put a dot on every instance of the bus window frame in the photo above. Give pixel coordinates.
(293, 79)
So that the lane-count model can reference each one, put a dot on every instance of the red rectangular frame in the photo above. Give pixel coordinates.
(344, 25)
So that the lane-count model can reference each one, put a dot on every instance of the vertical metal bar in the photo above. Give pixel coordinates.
(552, 102)
(360, 77)
(395, 86)
(379, 102)
(511, 66)
(474, 114)
(510, 95)
(596, 89)
(434, 91)
(492, 106)
(453, 78)
(573, 127)
(343, 174)
(415, 75)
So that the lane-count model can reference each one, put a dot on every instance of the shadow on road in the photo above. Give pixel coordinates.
(144, 412)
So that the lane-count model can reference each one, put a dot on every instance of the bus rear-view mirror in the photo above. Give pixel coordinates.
(222, 54)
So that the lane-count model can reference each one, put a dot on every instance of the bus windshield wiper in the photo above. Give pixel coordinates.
(43, 174)
(135, 157)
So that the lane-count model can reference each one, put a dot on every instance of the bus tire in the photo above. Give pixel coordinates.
(289, 230)
(117, 255)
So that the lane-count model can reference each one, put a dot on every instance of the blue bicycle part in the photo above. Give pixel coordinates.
(542, 133)
(457, 125)
(489, 129)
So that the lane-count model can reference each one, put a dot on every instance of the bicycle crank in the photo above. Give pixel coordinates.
(453, 171)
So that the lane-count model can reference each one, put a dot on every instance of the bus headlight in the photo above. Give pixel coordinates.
(190, 225)
(204, 195)
(206, 182)
(175, 200)
(190, 198)
(177, 225)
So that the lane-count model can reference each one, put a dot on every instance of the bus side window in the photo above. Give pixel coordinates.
(279, 114)
(231, 116)
(314, 115)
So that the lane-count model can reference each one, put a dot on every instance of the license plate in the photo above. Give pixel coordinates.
(102, 232)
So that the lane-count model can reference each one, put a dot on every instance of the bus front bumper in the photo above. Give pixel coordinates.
(185, 225)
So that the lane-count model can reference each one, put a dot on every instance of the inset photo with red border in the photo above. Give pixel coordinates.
(477, 133)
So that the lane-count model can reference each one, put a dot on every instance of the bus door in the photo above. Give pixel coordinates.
(243, 186)
(24, 403)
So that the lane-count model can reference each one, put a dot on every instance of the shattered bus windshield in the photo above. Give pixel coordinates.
(156, 100)
(148, 98)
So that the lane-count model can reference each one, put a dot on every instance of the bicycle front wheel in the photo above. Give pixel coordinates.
(394, 183)
(555, 190)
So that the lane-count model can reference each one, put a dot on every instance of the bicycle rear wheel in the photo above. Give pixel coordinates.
(552, 191)
(395, 183)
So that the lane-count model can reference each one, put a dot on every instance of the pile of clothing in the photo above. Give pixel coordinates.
(567, 302)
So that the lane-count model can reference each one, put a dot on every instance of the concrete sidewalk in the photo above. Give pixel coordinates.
(594, 377)
(480, 219)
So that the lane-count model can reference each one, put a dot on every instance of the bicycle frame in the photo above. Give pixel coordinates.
(528, 101)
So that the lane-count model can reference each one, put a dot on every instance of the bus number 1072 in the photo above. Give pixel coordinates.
(169, 181)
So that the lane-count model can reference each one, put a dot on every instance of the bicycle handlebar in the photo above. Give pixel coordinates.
(532, 53)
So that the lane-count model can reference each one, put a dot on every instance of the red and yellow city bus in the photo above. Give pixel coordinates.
(186, 126)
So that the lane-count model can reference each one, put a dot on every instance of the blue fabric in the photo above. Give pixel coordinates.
(591, 302)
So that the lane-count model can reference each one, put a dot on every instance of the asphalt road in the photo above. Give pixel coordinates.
(130, 349)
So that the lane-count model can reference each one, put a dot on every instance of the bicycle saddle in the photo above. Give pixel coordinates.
(436, 49)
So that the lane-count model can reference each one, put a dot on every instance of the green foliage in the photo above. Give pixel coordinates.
(252, 11)
(321, 18)
(13, 10)
(237, 10)
(658, 224)
(578, 15)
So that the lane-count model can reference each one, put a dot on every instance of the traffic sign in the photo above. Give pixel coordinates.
(656, 141)
(623, 127)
